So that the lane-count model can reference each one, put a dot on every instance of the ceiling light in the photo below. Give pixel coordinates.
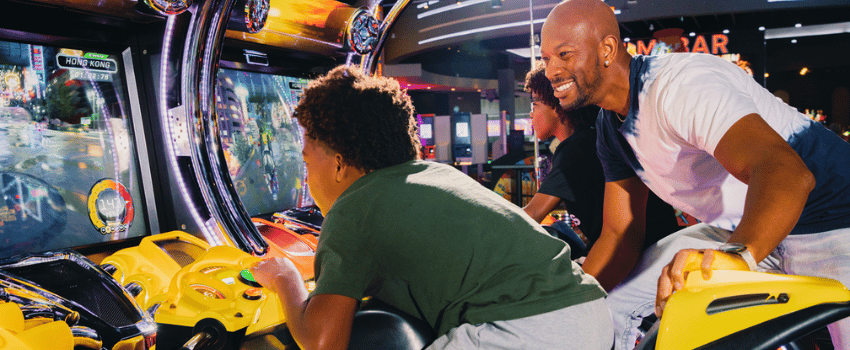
(766, 75)
(726, 31)
(798, 25)
(692, 34)
(626, 39)
(761, 29)
(804, 71)
(793, 41)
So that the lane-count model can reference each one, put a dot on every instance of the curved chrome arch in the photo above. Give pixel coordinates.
(199, 155)
(370, 61)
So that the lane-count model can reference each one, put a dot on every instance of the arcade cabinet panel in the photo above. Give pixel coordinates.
(68, 164)
(261, 139)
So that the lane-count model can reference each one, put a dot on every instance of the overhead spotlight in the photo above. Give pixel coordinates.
(692, 34)
(767, 75)
(798, 25)
(761, 29)
(804, 71)
(626, 39)
(496, 4)
(726, 31)
(793, 41)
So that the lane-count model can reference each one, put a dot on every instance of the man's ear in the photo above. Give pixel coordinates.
(608, 48)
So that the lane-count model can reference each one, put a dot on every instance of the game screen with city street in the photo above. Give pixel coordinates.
(68, 170)
(262, 141)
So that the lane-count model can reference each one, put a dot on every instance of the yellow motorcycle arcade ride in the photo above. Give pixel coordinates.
(739, 309)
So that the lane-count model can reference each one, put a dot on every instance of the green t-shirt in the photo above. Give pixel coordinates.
(431, 241)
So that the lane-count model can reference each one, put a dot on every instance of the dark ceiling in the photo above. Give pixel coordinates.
(481, 57)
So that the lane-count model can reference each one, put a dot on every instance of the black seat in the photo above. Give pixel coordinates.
(379, 326)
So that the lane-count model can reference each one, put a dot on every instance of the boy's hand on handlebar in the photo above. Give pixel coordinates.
(268, 272)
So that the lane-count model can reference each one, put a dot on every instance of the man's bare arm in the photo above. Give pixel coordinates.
(620, 243)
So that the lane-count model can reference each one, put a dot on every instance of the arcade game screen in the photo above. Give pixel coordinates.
(68, 170)
(262, 141)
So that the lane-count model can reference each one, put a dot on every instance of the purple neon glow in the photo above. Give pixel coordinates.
(172, 156)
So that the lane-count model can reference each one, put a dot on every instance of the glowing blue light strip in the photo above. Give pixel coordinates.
(479, 30)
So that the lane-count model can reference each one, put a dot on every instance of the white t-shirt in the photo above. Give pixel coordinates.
(681, 106)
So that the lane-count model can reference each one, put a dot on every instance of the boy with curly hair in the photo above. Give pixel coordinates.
(422, 237)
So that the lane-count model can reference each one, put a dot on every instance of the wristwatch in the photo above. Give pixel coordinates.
(741, 250)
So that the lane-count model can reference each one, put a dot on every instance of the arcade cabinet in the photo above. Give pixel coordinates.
(72, 180)
(462, 137)
(426, 135)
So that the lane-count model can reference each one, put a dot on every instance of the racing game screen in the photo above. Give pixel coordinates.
(68, 170)
(262, 142)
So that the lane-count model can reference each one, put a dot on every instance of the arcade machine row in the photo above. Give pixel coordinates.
(74, 172)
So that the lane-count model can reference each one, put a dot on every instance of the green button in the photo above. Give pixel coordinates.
(247, 275)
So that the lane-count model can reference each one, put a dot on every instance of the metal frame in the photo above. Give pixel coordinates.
(141, 143)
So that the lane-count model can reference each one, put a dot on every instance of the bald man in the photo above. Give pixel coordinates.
(769, 184)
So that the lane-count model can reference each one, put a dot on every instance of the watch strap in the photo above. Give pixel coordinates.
(748, 257)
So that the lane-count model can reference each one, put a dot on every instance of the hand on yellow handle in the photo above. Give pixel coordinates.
(673, 275)
(268, 271)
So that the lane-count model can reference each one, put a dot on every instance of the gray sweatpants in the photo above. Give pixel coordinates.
(584, 326)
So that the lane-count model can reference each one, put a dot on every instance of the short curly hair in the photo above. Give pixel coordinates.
(537, 82)
(368, 120)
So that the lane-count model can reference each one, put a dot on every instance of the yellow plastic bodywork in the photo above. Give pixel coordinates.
(686, 324)
(218, 268)
(134, 343)
(150, 266)
(14, 335)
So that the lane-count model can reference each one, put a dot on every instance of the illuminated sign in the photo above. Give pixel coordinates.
(719, 43)
(96, 64)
